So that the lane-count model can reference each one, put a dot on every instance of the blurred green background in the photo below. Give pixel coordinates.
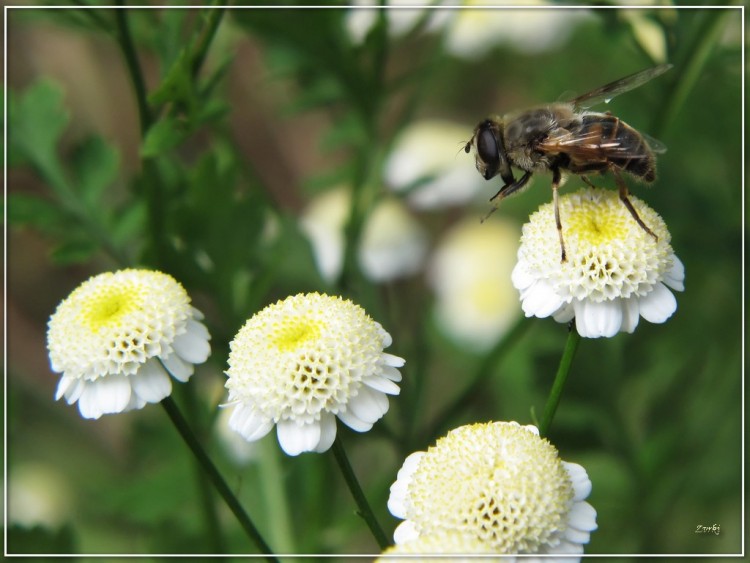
(251, 115)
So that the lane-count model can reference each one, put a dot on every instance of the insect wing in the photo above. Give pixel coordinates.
(608, 91)
(589, 146)
(654, 144)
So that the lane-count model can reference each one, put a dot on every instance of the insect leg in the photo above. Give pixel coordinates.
(556, 176)
(505, 191)
(587, 181)
(624, 197)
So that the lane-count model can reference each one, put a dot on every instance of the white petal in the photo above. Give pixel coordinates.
(353, 422)
(151, 383)
(565, 547)
(405, 532)
(178, 368)
(659, 305)
(297, 438)
(106, 395)
(369, 405)
(675, 276)
(542, 301)
(390, 373)
(391, 360)
(580, 480)
(198, 328)
(387, 339)
(400, 488)
(135, 403)
(630, 314)
(594, 320)
(565, 313)
(381, 384)
(521, 277)
(192, 345)
(74, 392)
(574, 536)
(63, 385)
(327, 432)
(582, 516)
(249, 423)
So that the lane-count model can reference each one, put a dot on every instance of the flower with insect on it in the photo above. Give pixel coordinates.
(119, 336)
(499, 483)
(300, 363)
(615, 271)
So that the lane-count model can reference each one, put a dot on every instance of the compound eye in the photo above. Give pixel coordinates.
(487, 151)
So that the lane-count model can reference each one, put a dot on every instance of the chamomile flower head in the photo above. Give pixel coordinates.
(300, 363)
(615, 271)
(500, 483)
(118, 337)
(435, 548)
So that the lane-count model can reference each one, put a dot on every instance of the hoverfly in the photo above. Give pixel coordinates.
(563, 136)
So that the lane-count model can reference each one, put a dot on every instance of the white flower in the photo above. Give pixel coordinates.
(499, 482)
(39, 495)
(393, 244)
(303, 361)
(362, 15)
(615, 272)
(424, 164)
(470, 272)
(537, 28)
(433, 548)
(118, 337)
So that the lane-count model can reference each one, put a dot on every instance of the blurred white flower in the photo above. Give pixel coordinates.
(614, 274)
(393, 243)
(536, 27)
(402, 16)
(38, 495)
(119, 336)
(501, 483)
(300, 363)
(427, 163)
(323, 222)
(647, 32)
(470, 273)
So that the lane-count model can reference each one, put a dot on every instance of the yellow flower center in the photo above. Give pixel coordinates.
(597, 224)
(295, 332)
(110, 306)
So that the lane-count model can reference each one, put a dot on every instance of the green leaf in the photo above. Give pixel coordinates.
(36, 122)
(177, 86)
(25, 209)
(129, 223)
(75, 250)
(95, 165)
(163, 136)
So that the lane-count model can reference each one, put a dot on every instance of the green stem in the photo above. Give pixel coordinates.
(154, 190)
(215, 13)
(553, 400)
(215, 477)
(134, 67)
(364, 509)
